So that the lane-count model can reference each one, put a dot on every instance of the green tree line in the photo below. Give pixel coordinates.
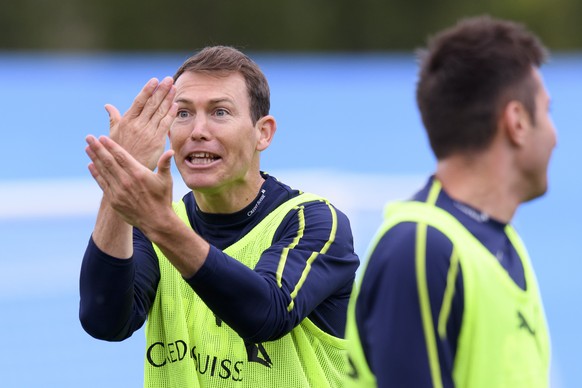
(266, 25)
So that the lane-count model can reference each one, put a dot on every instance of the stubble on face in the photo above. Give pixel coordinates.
(214, 125)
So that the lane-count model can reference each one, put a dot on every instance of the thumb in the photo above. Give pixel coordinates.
(165, 163)
(114, 115)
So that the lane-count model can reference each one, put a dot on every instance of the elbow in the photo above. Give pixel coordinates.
(264, 336)
(270, 329)
(97, 329)
(255, 338)
(269, 320)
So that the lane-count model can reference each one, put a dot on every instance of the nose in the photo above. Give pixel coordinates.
(199, 130)
(554, 134)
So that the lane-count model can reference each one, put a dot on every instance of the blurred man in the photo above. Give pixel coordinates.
(449, 297)
(244, 282)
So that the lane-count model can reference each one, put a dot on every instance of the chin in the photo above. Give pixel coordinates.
(198, 181)
(537, 191)
(200, 185)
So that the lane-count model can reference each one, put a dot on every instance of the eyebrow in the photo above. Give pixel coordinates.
(214, 101)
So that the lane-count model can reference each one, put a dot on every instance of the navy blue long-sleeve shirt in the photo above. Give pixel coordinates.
(387, 310)
(116, 294)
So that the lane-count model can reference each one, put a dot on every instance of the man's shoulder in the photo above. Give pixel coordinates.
(278, 187)
(400, 241)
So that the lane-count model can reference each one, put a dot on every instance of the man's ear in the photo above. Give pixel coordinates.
(515, 121)
(267, 126)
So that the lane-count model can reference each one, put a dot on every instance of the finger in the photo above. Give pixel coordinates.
(92, 167)
(160, 101)
(90, 139)
(166, 117)
(97, 177)
(104, 162)
(165, 163)
(122, 158)
(92, 148)
(114, 115)
(142, 98)
(165, 108)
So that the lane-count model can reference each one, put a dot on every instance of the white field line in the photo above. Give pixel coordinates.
(350, 192)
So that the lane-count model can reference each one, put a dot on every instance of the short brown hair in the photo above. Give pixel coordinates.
(224, 60)
(468, 74)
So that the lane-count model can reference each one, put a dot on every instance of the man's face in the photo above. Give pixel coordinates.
(540, 143)
(215, 142)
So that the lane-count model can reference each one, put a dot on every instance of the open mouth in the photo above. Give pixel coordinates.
(202, 158)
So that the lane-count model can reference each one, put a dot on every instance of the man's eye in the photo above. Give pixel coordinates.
(221, 112)
(182, 114)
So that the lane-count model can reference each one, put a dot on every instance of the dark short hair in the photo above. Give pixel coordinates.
(225, 60)
(468, 74)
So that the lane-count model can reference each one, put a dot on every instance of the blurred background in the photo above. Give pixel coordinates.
(342, 76)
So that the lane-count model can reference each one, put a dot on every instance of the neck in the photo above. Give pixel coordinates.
(230, 198)
(483, 182)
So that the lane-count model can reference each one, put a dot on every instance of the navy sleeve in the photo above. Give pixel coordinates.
(116, 294)
(310, 267)
(388, 309)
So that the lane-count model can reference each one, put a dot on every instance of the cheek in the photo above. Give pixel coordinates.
(172, 142)
(176, 138)
(244, 144)
(549, 138)
(553, 135)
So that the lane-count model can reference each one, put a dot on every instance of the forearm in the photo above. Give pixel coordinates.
(182, 246)
(111, 233)
(242, 298)
(247, 301)
(116, 295)
(259, 307)
(253, 304)
(107, 292)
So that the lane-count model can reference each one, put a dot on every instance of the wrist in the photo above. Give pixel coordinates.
(181, 245)
(161, 225)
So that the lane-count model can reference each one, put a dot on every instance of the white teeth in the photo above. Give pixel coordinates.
(202, 158)
(201, 155)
